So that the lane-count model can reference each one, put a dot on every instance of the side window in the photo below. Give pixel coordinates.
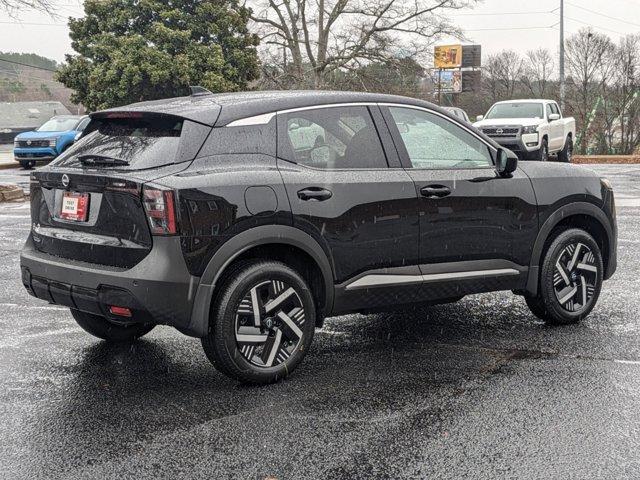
(549, 111)
(83, 124)
(555, 109)
(330, 138)
(433, 142)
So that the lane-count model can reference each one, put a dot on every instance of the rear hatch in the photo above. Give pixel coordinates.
(98, 202)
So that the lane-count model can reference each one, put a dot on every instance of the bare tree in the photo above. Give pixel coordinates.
(621, 104)
(588, 62)
(539, 68)
(501, 75)
(318, 37)
(13, 6)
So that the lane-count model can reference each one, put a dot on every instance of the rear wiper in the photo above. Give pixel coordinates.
(89, 159)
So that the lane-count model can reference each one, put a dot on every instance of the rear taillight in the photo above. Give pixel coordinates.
(161, 210)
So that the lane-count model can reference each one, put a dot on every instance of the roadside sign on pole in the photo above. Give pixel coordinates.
(447, 56)
(448, 81)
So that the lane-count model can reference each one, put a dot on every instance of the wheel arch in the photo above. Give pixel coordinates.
(582, 215)
(278, 242)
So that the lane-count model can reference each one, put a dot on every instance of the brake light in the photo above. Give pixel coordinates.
(161, 210)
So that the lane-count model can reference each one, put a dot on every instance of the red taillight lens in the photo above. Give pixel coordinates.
(161, 210)
(120, 311)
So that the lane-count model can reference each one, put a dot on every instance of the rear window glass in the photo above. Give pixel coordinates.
(141, 142)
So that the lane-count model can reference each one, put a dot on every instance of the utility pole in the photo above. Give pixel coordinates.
(562, 55)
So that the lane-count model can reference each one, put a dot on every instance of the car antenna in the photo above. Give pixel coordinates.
(197, 90)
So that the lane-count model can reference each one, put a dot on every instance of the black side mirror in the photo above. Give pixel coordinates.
(505, 163)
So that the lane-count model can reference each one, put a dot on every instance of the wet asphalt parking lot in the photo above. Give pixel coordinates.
(476, 389)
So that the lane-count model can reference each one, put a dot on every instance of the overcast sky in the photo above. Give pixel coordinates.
(535, 22)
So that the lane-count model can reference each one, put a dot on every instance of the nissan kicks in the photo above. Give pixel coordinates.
(245, 219)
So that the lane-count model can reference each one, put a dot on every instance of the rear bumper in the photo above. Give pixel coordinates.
(159, 289)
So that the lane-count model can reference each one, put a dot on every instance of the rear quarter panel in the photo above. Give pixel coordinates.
(220, 196)
(570, 126)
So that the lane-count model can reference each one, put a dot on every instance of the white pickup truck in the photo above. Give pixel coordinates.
(532, 129)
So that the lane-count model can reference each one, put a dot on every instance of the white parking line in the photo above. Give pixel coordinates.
(628, 362)
(37, 307)
(627, 202)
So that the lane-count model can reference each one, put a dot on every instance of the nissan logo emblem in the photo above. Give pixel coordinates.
(65, 180)
(499, 131)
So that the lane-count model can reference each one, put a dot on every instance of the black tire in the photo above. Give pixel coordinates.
(257, 283)
(567, 152)
(27, 164)
(542, 154)
(112, 332)
(571, 278)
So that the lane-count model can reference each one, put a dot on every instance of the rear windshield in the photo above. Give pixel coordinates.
(142, 142)
(516, 110)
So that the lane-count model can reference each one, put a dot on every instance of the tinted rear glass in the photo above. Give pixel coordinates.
(331, 138)
(143, 142)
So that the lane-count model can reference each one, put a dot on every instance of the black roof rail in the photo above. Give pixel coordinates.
(197, 90)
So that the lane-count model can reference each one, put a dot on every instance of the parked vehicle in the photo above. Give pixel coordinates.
(48, 141)
(215, 214)
(458, 112)
(533, 129)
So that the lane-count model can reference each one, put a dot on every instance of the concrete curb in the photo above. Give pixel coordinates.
(7, 166)
(607, 159)
(11, 193)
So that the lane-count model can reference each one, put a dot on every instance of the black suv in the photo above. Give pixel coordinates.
(245, 219)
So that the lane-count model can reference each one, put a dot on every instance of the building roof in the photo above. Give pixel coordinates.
(21, 115)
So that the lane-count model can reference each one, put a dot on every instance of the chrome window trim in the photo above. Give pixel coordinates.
(265, 118)
(261, 119)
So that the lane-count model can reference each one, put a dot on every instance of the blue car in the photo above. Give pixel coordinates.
(48, 141)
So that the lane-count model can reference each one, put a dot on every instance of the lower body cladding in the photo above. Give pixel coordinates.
(158, 290)
(435, 283)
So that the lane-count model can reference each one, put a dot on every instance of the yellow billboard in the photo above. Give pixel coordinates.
(447, 56)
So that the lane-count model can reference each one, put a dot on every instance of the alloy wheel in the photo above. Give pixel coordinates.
(269, 323)
(575, 277)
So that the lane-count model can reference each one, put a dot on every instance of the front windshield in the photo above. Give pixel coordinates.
(58, 124)
(516, 110)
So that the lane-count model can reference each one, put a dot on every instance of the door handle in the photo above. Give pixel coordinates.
(314, 193)
(435, 191)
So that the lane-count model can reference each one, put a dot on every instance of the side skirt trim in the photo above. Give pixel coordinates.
(379, 280)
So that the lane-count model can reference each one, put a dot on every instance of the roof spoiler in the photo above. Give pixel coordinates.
(197, 90)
